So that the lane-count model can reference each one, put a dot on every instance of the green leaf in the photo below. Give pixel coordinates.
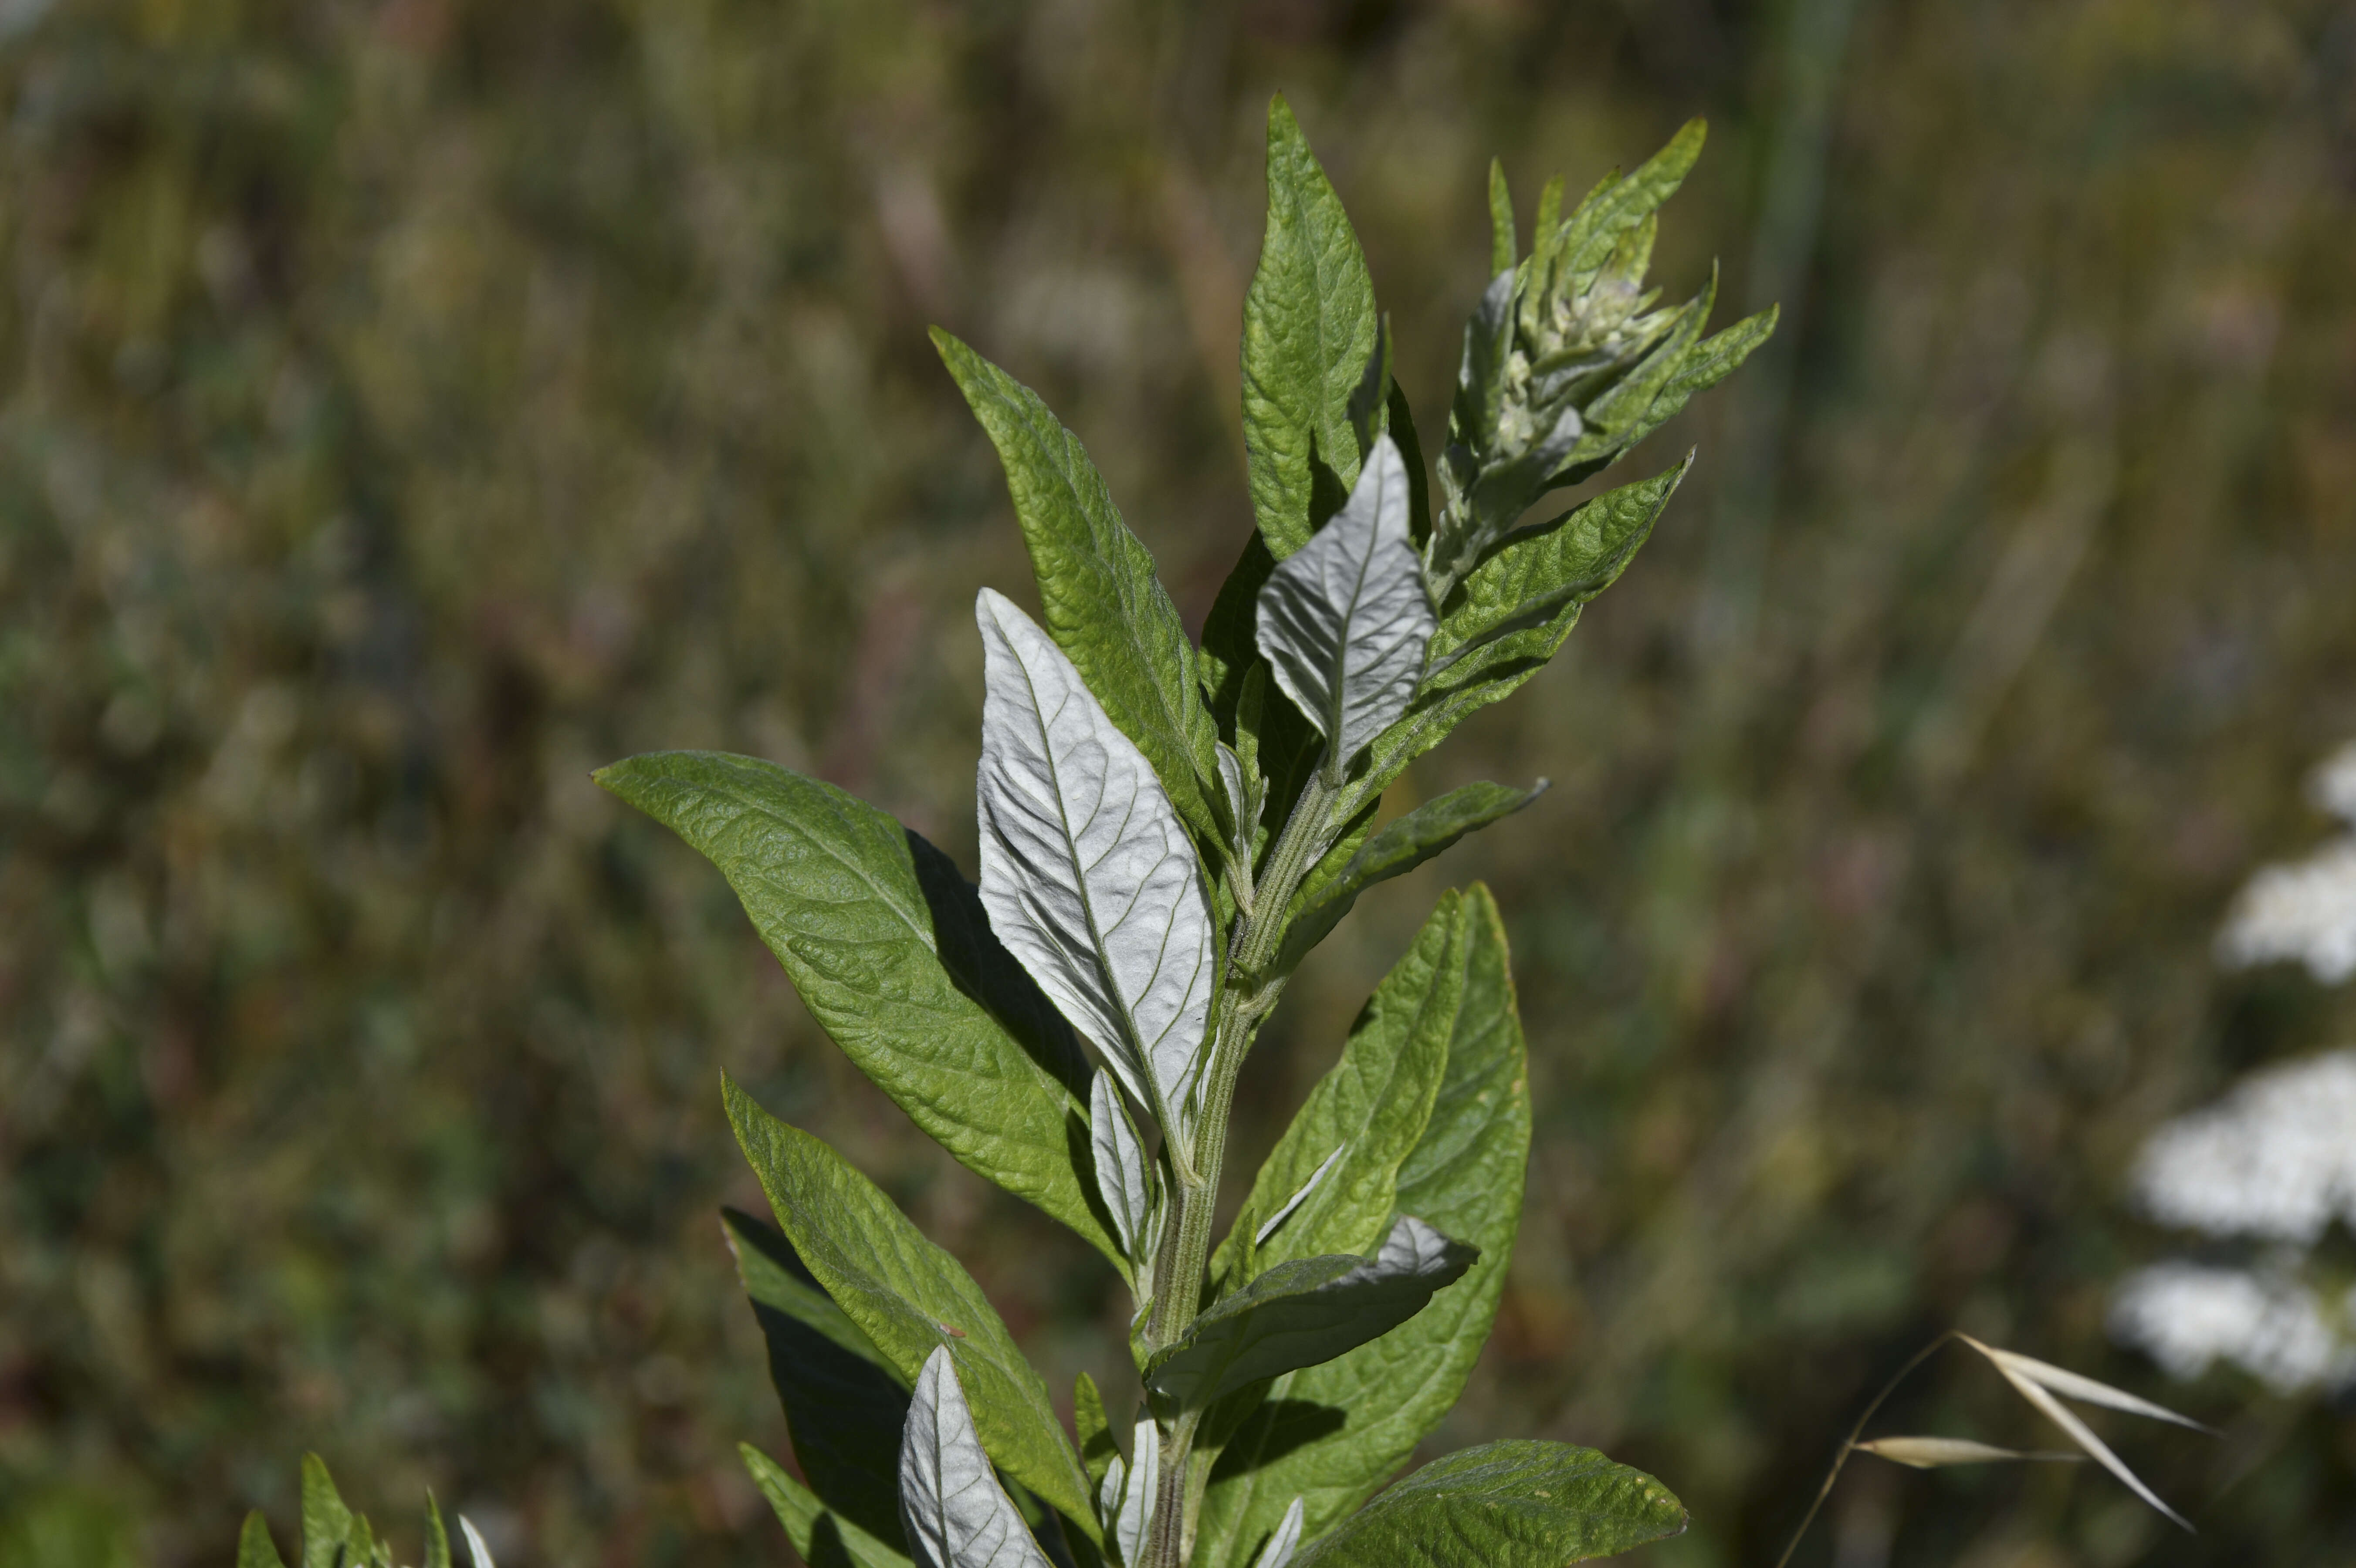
(1334, 1433)
(1595, 230)
(845, 1404)
(1371, 1105)
(1502, 242)
(437, 1540)
(821, 1537)
(1101, 601)
(1098, 1447)
(1518, 1504)
(886, 943)
(1709, 362)
(1399, 847)
(910, 1297)
(1309, 327)
(1310, 1310)
(1538, 572)
(328, 1527)
(254, 1548)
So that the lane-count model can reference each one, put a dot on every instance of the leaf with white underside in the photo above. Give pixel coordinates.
(2031, 1379)
(1399, 847)
(956, 1513)
(1260, 1236)
(1516, 1504)
(1344, 621)
(1087, 871)
(1284, 1542)
(886, 943)
(1936, 1453)
(1121, 1177)
(1130, 1517)
(910, 1298)
(1299, 1314)
(476, 1548)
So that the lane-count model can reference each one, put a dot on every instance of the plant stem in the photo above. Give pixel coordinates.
(1848, 1443)
(1244, 1000)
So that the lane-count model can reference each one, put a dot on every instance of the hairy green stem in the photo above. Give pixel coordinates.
(1244, 1000)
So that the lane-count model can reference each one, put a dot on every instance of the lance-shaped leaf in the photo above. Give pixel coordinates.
(1518, 1504)
(820, 1537)
(1501, 241)
(437, 1539)
(1345, 620)
(1332, 1433)
(1399, 848)
(1309, 325)
(1087, 874)
(1122, 1167)
(1371, 1106)
(1103, 604)
(1310, 1310)
(951, 1506)
(1098, 1452)
(333, 1535)
(1937, 1453)
(845, 1404)
(889, 948)
(910, 1298)
(1543, 570)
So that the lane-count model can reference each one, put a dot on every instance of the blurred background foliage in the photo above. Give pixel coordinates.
(412, 404)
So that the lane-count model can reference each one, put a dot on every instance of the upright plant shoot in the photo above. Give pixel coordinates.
(1166, 830)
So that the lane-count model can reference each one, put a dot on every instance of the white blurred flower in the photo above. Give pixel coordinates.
(2272, 1325)
(2306, 910)
(2274, 1161)
(2276, 1158)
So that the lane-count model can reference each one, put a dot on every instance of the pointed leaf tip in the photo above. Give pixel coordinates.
(1345, 620)
(951, 1505)
(1284, 1542)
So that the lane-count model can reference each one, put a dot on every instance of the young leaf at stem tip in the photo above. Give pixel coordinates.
(1345, 620)
(955, 1512)
(1089, 876)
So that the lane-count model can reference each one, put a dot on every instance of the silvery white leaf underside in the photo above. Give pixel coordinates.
(1345, 620)
(955, 1512)
(1087, 872)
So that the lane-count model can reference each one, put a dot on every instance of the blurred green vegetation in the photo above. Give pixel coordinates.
(412, 404)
